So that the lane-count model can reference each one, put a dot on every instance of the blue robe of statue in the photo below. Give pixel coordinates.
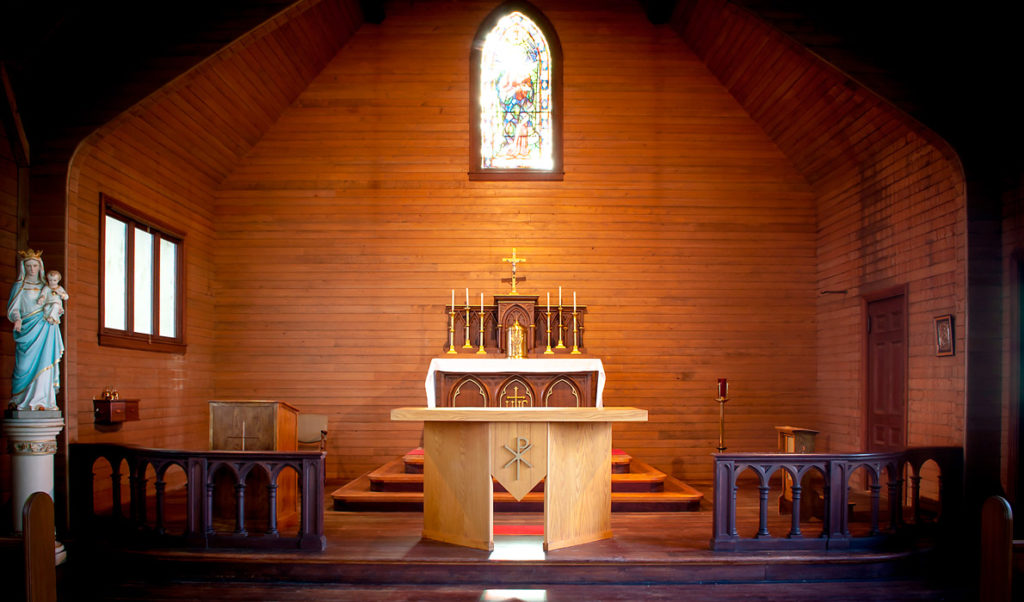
(38, 348)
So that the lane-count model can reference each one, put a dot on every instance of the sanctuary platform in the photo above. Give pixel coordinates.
(382, 556)
(397, 486)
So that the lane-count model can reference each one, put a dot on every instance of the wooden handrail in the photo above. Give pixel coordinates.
(836, 469)
(200, 469)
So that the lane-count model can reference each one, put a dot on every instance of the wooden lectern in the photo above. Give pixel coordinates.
(465, 447)
(255, 425)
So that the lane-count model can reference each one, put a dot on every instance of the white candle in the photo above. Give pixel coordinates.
(453, 299)
(467, 297)
(559, 296)
(574, 300)
(481, 303)
(549, 300)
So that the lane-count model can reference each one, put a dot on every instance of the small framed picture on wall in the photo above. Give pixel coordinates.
(944, 337)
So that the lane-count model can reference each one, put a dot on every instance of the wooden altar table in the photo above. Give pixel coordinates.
(465, 447)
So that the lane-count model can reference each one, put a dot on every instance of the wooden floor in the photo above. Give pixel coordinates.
(381, 556)
(865, 591)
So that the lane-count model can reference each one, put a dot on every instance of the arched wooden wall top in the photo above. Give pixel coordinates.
(825, 121)
(165, 157)
(891, 211)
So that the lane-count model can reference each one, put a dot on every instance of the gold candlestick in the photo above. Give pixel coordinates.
(560, 344)
(548, 351)
(481, 351)
(575, 339)
(451, 331)
(468, 344)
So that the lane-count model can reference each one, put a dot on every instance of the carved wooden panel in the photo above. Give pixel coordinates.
(509, 389)
(562, 392)
(469, 392)
(512, 309)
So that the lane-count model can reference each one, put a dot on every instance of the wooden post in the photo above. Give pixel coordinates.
(996, 550)
(40, 562)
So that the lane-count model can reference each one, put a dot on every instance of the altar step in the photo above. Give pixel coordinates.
(398, 486)
(413, 461)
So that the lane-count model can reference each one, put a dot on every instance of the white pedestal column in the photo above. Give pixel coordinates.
(32, 442)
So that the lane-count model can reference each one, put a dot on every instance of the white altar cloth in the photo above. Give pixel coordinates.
(474, 365)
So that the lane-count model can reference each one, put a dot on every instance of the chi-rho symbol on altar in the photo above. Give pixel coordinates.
(519, 455)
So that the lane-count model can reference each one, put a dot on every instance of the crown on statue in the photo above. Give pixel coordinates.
(30, 254)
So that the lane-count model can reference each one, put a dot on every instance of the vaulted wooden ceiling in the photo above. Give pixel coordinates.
(74, 65)
(950, 66)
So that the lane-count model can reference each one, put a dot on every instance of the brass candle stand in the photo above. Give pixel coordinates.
(575, 333)
(451, 331)
(548, 351)
(721, 422)
(481, 350)
(560, 344)
(468, 344)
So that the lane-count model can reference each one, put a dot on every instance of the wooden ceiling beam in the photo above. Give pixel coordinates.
(12, 121)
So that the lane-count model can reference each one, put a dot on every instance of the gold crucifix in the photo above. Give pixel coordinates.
(513, 260)
(515, 399)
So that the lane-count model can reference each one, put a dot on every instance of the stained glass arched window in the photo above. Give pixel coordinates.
(516, 93)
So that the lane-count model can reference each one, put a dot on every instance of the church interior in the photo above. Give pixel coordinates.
(817, 203)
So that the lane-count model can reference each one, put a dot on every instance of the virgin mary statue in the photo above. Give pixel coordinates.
(38, 346)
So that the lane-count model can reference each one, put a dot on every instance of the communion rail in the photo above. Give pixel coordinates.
(905, 514)
(201, 470)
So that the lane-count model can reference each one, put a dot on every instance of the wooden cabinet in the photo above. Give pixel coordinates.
(115, 411)
(253, 426)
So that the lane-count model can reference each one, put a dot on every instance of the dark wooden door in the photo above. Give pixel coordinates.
(887, 375)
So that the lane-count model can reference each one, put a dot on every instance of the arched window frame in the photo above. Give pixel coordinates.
(476, 169)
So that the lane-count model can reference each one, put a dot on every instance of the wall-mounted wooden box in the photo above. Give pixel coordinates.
(115, 411)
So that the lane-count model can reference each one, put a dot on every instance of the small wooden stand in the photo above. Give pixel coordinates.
(115, 411)
(796, 440)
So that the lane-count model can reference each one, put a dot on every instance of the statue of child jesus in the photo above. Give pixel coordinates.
(52, 298)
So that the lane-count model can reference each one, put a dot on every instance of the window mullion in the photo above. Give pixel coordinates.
(156, 282)
(130, 279)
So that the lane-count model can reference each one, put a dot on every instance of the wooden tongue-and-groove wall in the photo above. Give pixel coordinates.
(165, 157)
(324, 234)
(681, 226)
(8, 254)
(890, 214)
